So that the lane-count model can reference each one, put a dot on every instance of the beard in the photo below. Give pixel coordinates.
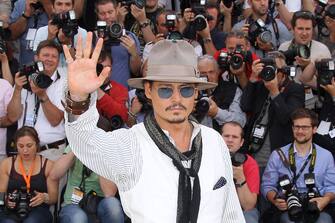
(302, 141)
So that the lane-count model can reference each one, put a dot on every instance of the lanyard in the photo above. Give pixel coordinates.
(311, 157)
(24, 174)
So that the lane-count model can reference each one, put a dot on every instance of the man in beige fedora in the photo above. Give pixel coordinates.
(168, 168)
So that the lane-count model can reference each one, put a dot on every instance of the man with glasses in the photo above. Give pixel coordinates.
(303, 167)
(168, 168)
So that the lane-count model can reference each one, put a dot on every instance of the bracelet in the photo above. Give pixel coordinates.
(44, 100)
(241, 184)
(46, 198)
(76, 107)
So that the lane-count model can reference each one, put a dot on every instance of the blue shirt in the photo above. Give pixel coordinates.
(120, 67)
(26, 54)
(324, 171)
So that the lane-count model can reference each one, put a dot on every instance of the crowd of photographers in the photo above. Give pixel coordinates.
(274, 104)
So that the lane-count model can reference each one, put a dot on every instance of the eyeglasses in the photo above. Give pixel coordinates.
(167, 92)
(302, 127)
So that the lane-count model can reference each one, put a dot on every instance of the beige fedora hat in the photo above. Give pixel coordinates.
(172, 61)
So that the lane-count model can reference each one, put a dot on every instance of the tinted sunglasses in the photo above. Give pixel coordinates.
(167, 92)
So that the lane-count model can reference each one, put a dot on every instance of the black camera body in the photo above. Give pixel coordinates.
(67, 22)
(269, 70)
(234, 59)
(313, 212)
(199, 9)
(146, 105)
(139, 3)
(170, 24)
(110, 33)
(258, 29)
(21, 198)
(37, 6)
(294, 204)
(326, 71)
(35, 72)
(296, 50)
(319, 18)
(238, 159)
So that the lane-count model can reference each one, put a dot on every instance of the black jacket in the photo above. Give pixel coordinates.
(254, 95)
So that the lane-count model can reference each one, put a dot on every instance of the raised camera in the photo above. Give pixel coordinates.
(67, 22)
(111, 34)
(326, 71)
(269, 70)
(299, 50)
(238, 159)
(35, 73)
(258, 29)
(170, 24)
(139, 3)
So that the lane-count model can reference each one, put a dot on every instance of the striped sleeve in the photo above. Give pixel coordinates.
(113, 155)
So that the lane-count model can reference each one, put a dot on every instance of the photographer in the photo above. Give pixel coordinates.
(223, 103)
(25, 179)
(81, 184)
(36, 99)
(239, 70)
(329, 20)
(168, 27)
(265, 32)
(245, 171)
(112, 96)
(62, 27)
(27, 16)
(270, 97)
(299, 179)
(194, 21)
(126, 54)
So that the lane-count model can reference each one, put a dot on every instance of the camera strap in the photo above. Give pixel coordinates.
(26, 176)
(311, 157)
(85, 173)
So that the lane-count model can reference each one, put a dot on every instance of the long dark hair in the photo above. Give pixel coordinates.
(27, 131)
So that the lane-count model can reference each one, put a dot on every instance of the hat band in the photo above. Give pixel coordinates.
(174, 70)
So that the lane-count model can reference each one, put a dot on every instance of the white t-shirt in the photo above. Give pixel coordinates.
(46, 132)
(6, 91)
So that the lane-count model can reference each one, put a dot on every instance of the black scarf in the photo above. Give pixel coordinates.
(188, 202)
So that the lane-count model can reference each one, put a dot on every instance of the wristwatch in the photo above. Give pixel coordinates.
(24, 16)
(144, 24)
(240, 184)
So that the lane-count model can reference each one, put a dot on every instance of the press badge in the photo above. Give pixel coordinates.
(323, 128)
(259, 132)
(30, 38)
(308, 94)
(332, 133)
(30, 119)
(77, 195)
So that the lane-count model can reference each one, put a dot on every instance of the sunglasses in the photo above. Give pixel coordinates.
(167, 92)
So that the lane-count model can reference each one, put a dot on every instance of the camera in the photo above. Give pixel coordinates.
(258, 29)
(4, 35)
(294, 205)
(170, 24)
(35, 72)
(296, 50)
(67, 21)
(202, 104)
(199, 9)
(21, 198)
(110, 124)
(146, 106)
(312, 211)
(290, 71)
(326, 69)
(111, 34)
(228, 3)
(234, 59)
(139, 3)
(269, 70)
(238, 159)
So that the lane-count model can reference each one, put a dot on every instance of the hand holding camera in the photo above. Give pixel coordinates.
(129, 44)
(29, 9)
(330, 88)
(188, 15)
(122, 12)
(20, 81)
(213, 108)
(226, 10)
(238, 174)
(138, 13)
(303, 62)
(256, 67)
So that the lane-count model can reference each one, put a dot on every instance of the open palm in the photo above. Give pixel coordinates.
(82, 76)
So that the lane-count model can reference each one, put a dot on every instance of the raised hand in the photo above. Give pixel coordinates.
(82, 75)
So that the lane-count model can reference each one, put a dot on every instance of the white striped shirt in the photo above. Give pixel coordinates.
(118, 156)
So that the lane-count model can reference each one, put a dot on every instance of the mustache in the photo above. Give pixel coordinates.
(175, 105)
